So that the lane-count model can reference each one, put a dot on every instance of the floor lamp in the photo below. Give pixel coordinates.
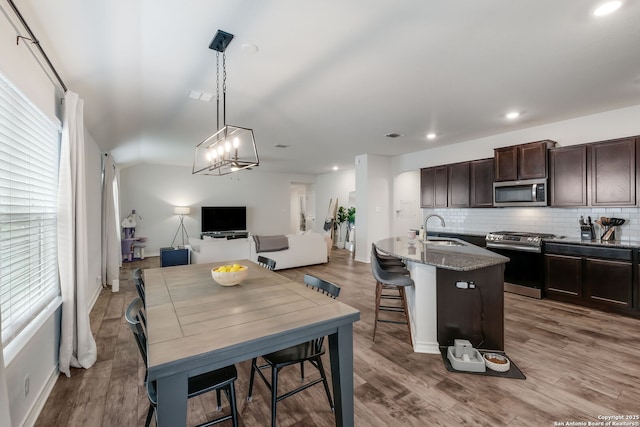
(181, 211)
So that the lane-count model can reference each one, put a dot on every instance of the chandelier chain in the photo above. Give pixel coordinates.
(218, 90)
(224, 88)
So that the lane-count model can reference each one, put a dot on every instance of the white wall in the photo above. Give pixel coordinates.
(153, 191)
(38, 356)
(373, 202)
(595, 127)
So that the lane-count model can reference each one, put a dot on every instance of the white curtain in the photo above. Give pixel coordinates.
(5, 416)
(111, 250)
(77, 346)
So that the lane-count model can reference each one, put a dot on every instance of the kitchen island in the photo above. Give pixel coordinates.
(458, 292)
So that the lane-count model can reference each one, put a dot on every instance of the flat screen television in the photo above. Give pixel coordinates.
(224, 218)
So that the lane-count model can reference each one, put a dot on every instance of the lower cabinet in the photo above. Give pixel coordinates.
(593, 276)
(608, 282)
(563, 276)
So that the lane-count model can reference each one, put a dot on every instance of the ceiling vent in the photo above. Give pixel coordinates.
(393, 135)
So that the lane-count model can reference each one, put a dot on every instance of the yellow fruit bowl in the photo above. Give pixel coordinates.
(229, 275)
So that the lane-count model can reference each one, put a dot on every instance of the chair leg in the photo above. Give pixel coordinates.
(218, 400)
(378, 295)
(302, 371)
(232, 403)
(406, 312)
(324, 382)
(149, 415)
(253, 374)
(274, 394)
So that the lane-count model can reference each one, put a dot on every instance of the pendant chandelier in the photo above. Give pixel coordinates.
(230, 148)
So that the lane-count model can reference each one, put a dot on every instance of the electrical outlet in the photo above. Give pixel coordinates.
(26, 385)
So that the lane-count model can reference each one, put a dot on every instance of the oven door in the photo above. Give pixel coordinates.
(523, 272)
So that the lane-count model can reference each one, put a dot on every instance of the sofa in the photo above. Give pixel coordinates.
(304, 249)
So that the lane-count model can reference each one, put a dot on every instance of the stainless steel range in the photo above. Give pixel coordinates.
(524, 271)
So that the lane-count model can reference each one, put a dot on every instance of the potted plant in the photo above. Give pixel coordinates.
(351, 221)
(341, 218)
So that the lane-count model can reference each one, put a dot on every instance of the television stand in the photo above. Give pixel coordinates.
(229, 235)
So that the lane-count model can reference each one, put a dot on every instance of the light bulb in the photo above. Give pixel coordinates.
(607, 8)
(221, 150)
(227, 146)
(236, 142)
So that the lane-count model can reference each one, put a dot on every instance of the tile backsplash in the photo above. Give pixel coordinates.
(558, 221)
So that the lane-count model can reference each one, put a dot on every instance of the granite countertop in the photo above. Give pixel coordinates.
(465, 257)
(623, 244)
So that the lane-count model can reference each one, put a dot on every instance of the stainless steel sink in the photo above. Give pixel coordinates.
(442, 242)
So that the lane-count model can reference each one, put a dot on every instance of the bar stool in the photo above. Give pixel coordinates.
(390, 285)
(389, 262)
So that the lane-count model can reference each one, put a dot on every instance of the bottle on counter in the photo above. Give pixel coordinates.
(421, 234)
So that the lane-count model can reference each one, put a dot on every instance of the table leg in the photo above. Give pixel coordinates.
(172, 400)
(341, 356)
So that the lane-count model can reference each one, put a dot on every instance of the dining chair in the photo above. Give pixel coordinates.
(267, 263)
(138, 280)
(390, 285)
(310, 351)
(220, 379)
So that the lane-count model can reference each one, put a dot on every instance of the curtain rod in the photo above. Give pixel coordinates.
(35, 41)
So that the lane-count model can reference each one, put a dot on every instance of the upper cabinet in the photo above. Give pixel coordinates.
(481, 182)
(519, 162)
(433, 187)
(568, 176)
(613, 172)
(458, 185)
(595, 174)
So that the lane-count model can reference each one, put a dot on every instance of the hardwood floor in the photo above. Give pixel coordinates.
(579, 363)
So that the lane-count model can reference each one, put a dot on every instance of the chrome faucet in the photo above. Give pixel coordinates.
(426, 235)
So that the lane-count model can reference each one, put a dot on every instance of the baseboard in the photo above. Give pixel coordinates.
(33, 414)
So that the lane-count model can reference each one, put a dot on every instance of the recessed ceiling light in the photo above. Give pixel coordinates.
(607, 8)
(512, 115)
(335, 168)
(431, 136)
(249, 48)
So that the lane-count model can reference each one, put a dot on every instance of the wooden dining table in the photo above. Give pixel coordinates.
(195, 325)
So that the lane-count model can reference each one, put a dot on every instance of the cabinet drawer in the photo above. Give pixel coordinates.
(589, 251)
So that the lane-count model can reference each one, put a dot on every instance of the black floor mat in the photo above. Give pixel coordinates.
(513, 372)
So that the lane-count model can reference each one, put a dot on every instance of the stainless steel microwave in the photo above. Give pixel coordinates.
(531, 192)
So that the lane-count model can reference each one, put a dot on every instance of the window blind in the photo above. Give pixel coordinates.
(29, 157)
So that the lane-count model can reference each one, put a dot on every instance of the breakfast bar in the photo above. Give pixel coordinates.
(458, 292)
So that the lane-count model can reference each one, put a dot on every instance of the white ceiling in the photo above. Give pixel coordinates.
(331, 78)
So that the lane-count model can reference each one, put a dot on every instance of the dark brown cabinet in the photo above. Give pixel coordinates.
(563, 276)
(481, 174)
(433, 187)
(613, 172)
(519, 162)
(593, 276)
(458, 185)
(568, 176)
(608, 282)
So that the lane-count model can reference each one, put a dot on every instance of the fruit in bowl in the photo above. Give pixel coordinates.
(229, 275)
